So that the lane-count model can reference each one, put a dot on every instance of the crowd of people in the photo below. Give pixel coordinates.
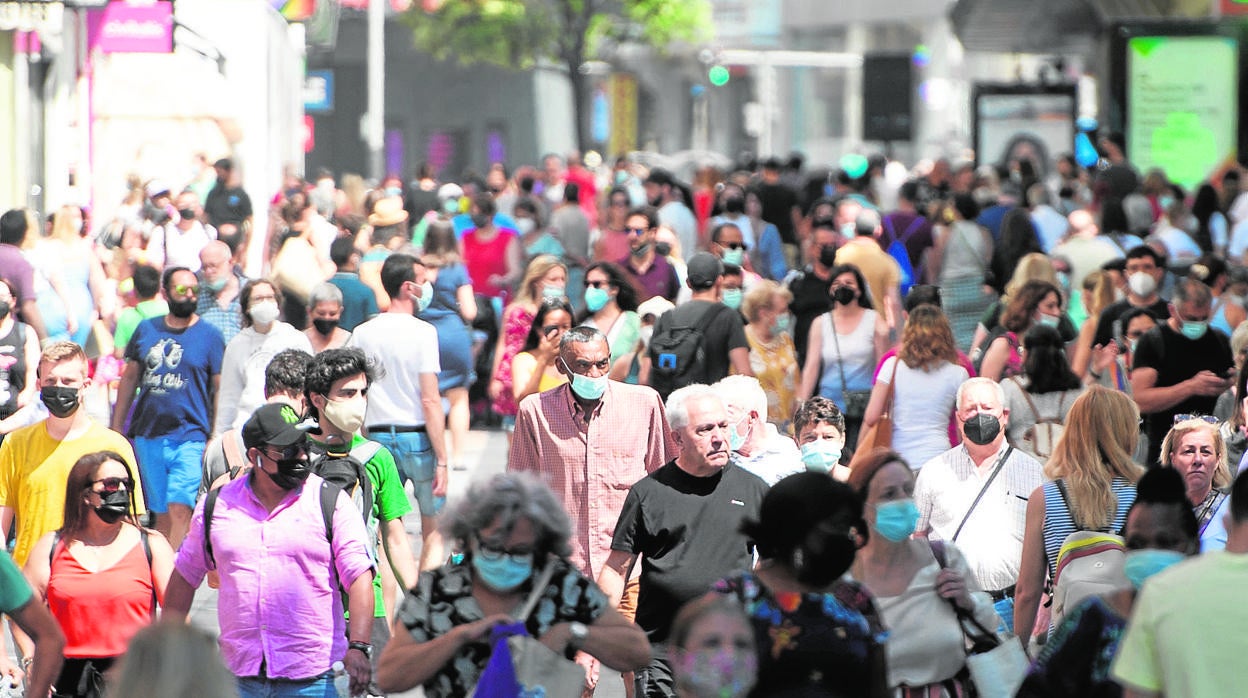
(778, 432)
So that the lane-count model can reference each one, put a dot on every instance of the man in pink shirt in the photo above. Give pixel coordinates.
(280, 608)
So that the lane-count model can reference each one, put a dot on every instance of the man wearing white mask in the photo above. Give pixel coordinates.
(404, 406)
(1144, 270)
(755, 443)
(247, 355)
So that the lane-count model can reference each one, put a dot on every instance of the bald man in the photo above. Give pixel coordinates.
(219, 284)
(1085, 250)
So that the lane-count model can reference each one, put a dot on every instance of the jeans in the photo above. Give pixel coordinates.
(316, 687)
(413, 454)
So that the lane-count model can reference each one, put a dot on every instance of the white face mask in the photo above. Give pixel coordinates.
(347, 415)
(525, 225)
(264, 312)
(1142, 284)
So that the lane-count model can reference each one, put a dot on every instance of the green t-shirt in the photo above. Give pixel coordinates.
(131, 317)
(14, 591)
(389, 503)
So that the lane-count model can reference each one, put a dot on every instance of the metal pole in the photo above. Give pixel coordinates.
(375, 118)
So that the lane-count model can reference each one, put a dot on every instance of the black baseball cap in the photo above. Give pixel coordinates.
(274, 424)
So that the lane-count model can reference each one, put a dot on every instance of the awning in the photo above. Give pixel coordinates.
(1049, 27)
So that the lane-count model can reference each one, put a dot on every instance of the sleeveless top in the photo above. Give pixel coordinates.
(966, 252)
(856, 357)
(12, 367)
(100, 611)
(1058, 523)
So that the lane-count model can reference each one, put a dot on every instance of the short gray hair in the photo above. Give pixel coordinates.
(678, 403)
(979, 380)
(745, 391)
(581, 334)
(324, 292)
(867, 222)
(509, 497)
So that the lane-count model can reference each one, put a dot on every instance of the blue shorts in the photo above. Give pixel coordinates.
(413, 454)
(316, 687)
(171, 469)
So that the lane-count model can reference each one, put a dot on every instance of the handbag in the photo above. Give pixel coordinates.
(880, 434)
(520, 665)
(855, 400)
(996, 665)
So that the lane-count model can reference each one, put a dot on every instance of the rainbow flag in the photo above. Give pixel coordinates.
(294, 10)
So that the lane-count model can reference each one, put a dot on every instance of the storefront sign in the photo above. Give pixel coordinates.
(132, 27)
(32, 15)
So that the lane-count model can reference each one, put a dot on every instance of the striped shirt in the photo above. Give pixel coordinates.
(1058, 523)
(591, 461)
(992, 540)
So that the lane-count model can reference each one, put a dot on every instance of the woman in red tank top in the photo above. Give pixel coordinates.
(101, 575)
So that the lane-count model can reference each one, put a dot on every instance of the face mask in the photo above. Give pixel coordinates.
(585, 387)
(347, 415)
(642, 249)
(216, 285)
(1165, 202)
(187, 214)
(552, 291)
(1142, 284)
(821, 455)
(781, 324)
(113, 506)
(525, 225)
(1194, 330)
(982, 428)
(735, 439)
(1132, 344)
(6, 307)
(844, 295)
(849, 230)
(719, 673)
(426, 297)
(734, 204)
(183, 309)
(325, 327)
(1139, 565)
(827, 256)
(621, 177)
(264, 312)
(596, 298)
(61, 401)
(732, 298)
(896, 520)
(646, 334)
(290, 473)
(451, 206)
(505, 573)
(480, 221)
(733, 257)
(394, 191)
(1048, 320)
(663, 249)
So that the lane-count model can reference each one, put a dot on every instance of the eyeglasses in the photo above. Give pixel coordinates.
(112, 484)
(185, 290)
(636, 231)
(295, 452)
(1207, 419)
(494, 552)
(598, 284)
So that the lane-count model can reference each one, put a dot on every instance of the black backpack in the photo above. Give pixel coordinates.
(677, 349)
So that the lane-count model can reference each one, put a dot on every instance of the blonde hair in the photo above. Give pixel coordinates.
(173, 659)
(1032, 267)
(538, 267)
(1098, 292)
(1102, 428)
(761, 296)
(1221, 472)
(61, 229)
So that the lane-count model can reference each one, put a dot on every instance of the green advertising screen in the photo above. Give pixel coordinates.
(1182, 110)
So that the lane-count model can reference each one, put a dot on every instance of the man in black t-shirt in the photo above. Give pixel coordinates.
(1181, 366)
(779, 202)
(723, 334)
(1144, 269)
(684, 521)
(811, 287)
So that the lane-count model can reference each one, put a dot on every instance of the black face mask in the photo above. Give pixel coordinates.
(290, 473)
(662, 249)
(187, 214)
(325, 327)
(183, 309)
(640, 250)
(6, 307)
(61, 401)
(827, 255)
(480, 221)
(734, 205)
(113, 506)
(844, 295)
(982, 428)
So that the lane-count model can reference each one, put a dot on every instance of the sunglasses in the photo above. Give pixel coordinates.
(295, 452)
(112, 484)
(185, 290)
(1207, 419)
(636, 231)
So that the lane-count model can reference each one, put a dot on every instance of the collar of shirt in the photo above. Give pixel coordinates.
(577, 409)
(991, 463)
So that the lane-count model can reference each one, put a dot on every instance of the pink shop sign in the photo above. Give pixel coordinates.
(132, 26)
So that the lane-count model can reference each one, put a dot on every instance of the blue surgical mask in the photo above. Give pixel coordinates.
(502, 572)
(585, 387)
(1139, 565)
(426, 297)
(781, 324)
(733, 257)
(552, 291)
(896, 520)
(451, 206)
(732, 298)
(820, 455)
(735, 439)
(1049, 320)
(1194, 330)
(596, 298)
(849, 230)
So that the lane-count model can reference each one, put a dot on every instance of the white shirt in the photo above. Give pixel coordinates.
(992, 539)
(777, 459)
(681, 220)
(242, 371)
(170, 246)
(404, 347)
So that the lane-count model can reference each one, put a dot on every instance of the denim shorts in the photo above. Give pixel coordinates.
(413, 454)
(171, 470)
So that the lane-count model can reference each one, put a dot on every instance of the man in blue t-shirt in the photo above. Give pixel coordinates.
(359, 302)
(174, 362)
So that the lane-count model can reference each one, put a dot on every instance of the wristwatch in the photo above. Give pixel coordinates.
(364, 647)
(577, 633)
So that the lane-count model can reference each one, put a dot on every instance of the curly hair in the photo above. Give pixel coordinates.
(506, 498)
(1022, 306)
(927, 339)
(818, 410)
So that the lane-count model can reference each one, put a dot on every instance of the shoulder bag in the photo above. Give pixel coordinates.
(880, 434)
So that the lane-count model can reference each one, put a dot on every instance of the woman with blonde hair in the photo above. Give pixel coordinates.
(1098, 294)
(773, 357)
(545, 277)
(1195, 447)
(1092, 487)
(924, 386)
